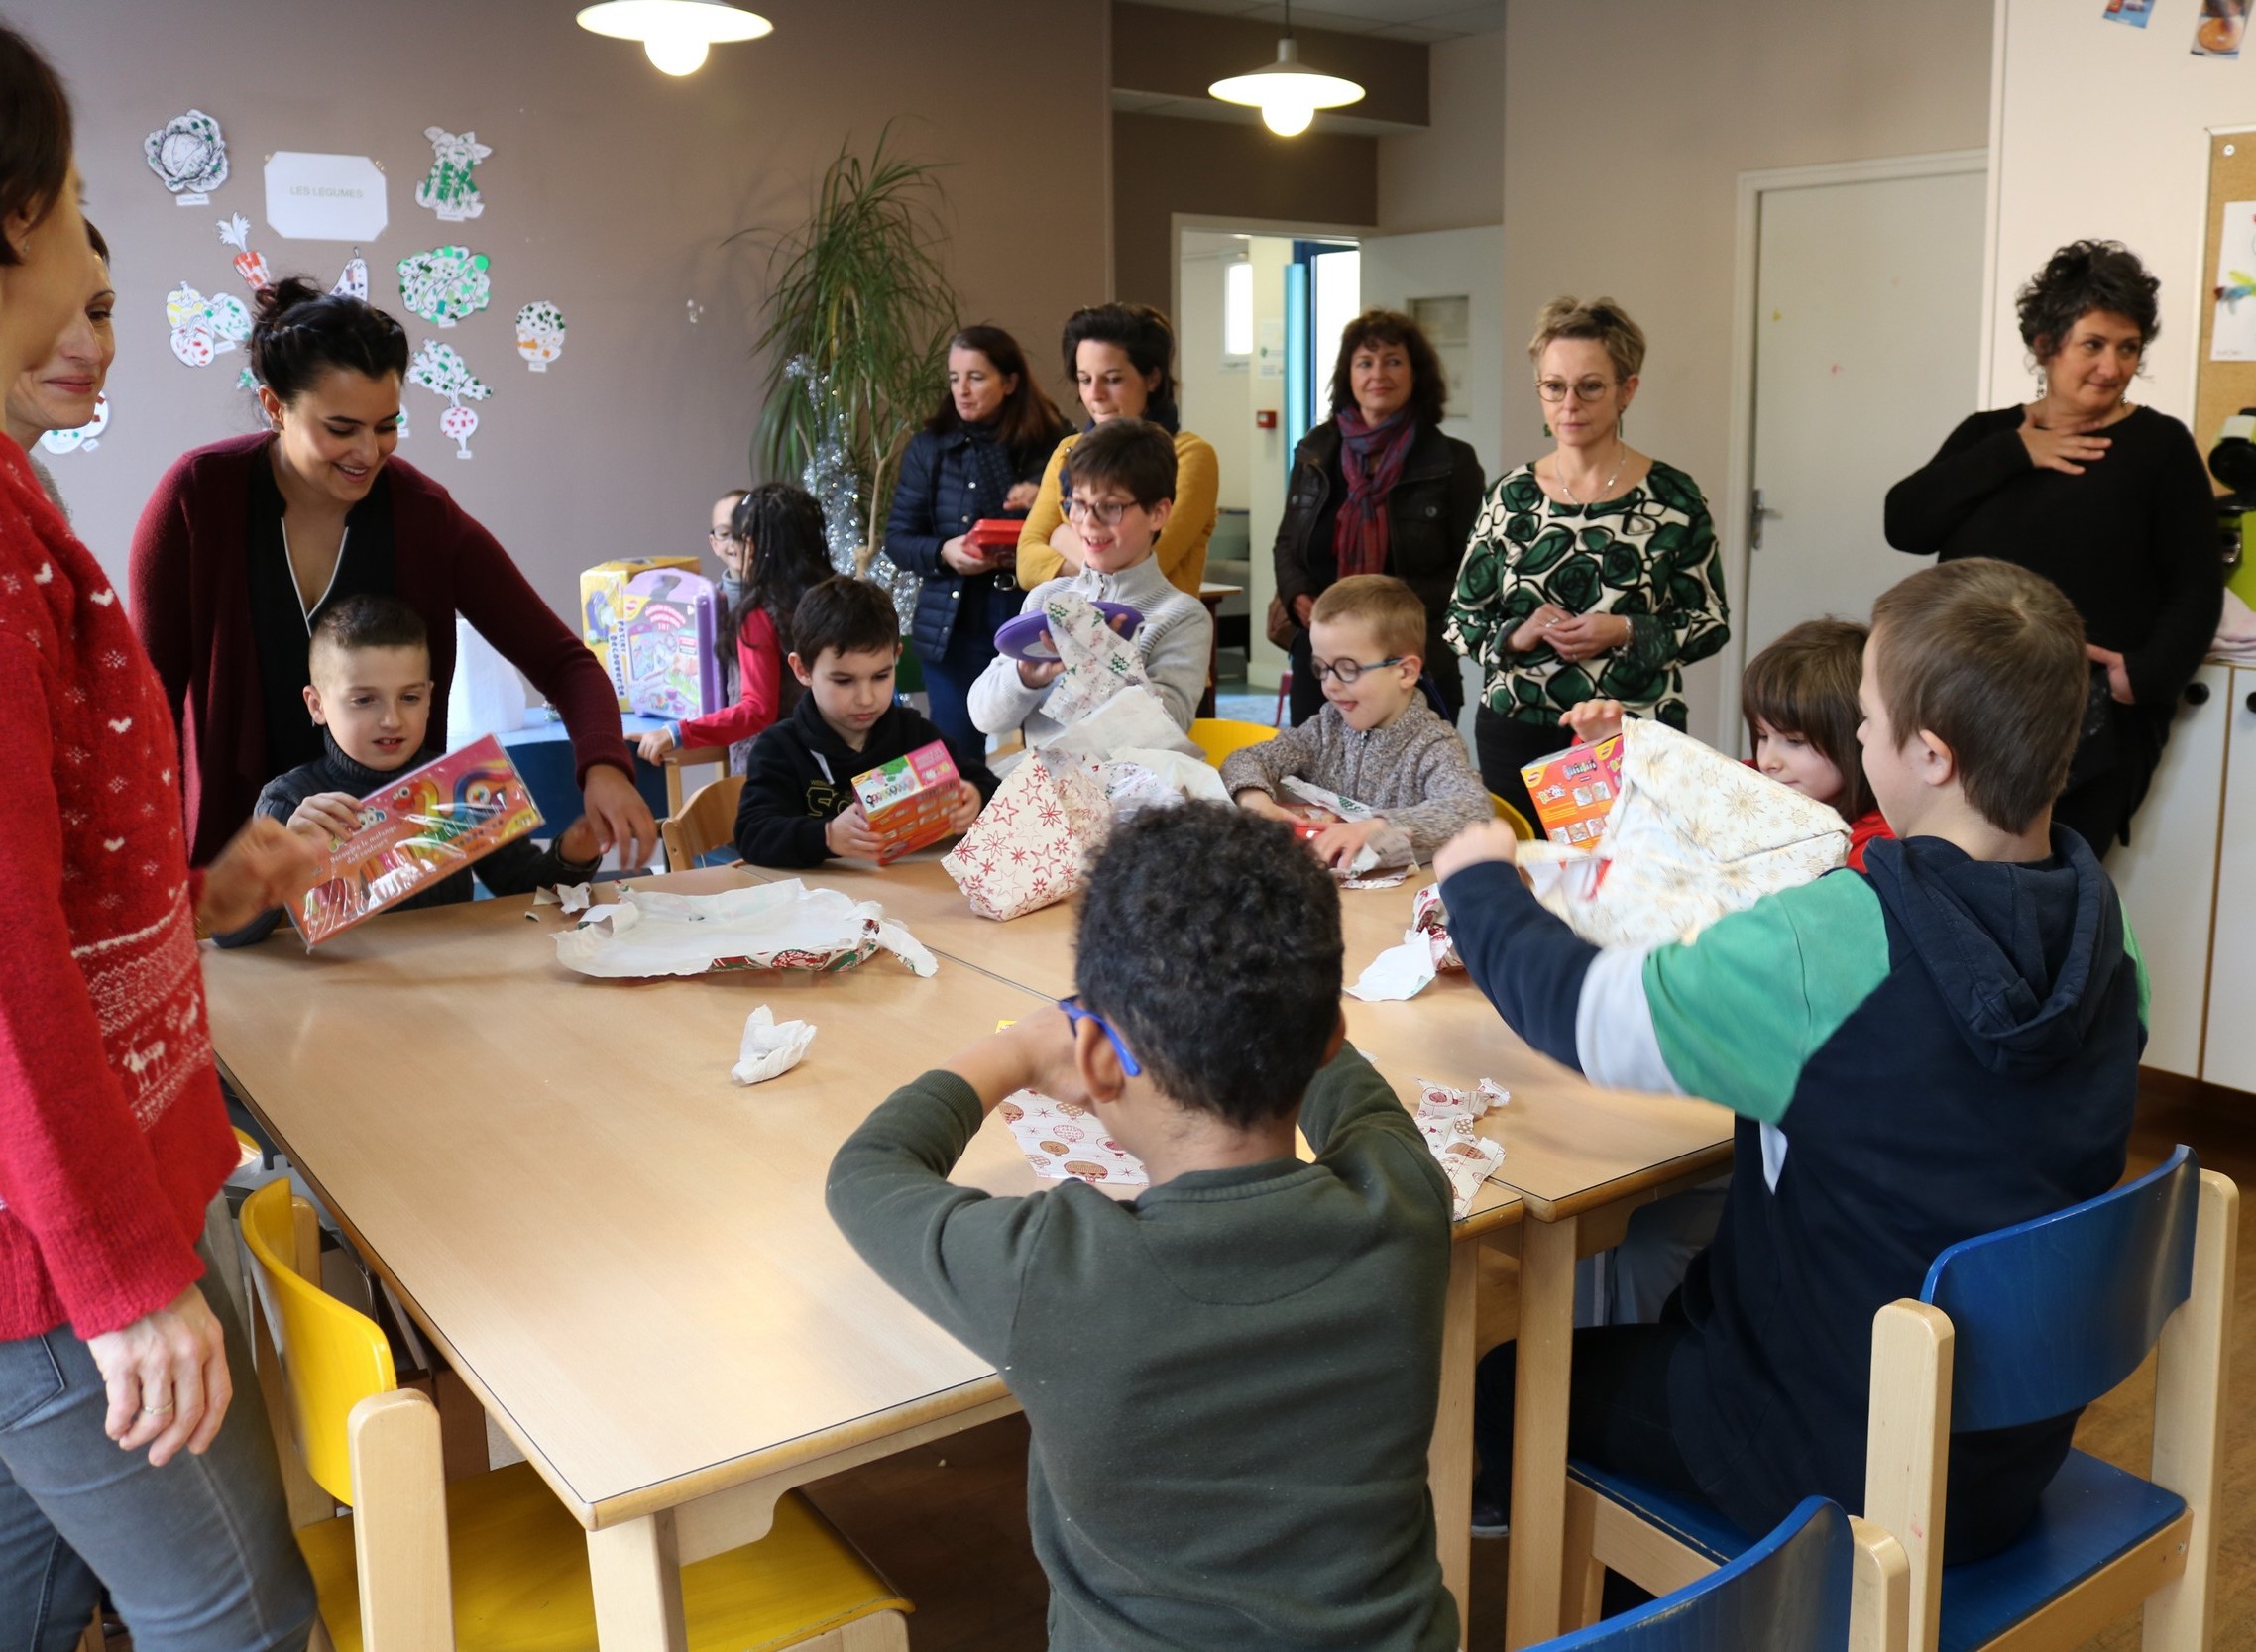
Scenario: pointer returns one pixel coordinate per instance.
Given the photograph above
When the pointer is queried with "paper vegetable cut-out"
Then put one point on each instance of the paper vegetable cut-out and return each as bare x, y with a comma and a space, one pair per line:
446, 284
353, 283
86, 436
448, 189
252, 266
540, 334
190, 153
441, 369
206, 328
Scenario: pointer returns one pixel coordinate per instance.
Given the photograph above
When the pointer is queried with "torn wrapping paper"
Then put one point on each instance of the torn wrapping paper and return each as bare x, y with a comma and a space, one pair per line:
771, 1047
1694, 836
1062, 1141
1129, 720
1467, 1158
1031, 845
1138, 778
1399, 972
1431, 920
1346, 809
770, 925
1098, 661
1390, 848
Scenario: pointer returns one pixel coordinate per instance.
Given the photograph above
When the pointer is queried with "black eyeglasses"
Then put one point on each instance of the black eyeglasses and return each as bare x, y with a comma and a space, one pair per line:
1347, 670
1076, 1012
1107, 511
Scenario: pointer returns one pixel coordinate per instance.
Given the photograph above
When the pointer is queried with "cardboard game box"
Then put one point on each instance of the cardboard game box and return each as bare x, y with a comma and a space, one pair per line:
426, 824
908, 801
603, 610
1574, 791
671, 623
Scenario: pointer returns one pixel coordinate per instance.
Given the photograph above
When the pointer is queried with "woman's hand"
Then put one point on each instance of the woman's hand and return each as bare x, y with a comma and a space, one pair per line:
1534, 630
2067, 451
167, 1376
328, 815
1587, 635
264, 866
1302, 606
655, 743
1039, 673
1594, 721
620, 818
958, 555
2119, 674
1068, 544
1022, 495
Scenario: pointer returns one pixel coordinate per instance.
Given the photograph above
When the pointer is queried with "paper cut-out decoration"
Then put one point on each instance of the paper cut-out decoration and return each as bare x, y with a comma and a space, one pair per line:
206, 328
246, 379
189, 154
325, 198
86, 436
446, 284
540, 334
2232, 335
252, 266
447, 188
403, 425
353, 283
441, 369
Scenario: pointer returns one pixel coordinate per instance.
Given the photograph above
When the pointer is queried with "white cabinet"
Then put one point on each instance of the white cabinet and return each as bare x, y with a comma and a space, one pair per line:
2228, 1053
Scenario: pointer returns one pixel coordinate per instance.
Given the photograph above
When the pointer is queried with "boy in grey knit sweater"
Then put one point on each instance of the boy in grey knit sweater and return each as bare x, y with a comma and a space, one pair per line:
1376, 741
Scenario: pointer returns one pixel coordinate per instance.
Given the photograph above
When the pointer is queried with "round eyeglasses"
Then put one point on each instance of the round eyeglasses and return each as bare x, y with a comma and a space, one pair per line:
1107, 511
1582, 389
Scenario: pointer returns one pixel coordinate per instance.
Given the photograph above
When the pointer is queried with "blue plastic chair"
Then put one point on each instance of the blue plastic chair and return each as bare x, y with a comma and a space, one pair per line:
2013, 1327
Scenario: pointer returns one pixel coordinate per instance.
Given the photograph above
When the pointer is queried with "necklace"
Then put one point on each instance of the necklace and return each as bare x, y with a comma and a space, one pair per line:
1606, 489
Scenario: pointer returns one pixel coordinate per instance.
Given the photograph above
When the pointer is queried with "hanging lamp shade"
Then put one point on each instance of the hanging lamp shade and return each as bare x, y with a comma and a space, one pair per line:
675, 34
1286, 93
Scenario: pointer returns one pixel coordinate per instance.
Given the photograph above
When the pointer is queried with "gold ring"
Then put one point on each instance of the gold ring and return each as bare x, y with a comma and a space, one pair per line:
156, 1410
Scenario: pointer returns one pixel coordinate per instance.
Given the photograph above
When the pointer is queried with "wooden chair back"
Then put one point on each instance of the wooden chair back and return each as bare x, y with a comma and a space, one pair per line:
706, 822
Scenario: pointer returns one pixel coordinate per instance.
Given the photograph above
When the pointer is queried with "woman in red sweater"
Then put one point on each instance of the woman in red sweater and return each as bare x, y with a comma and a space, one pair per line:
245, 541
113, 1140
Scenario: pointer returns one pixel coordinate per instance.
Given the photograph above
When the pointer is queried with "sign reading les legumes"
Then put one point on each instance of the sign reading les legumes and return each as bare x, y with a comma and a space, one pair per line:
325, 198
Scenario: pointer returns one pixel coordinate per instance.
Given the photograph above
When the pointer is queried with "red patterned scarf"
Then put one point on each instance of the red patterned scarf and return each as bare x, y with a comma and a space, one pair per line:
1371, 457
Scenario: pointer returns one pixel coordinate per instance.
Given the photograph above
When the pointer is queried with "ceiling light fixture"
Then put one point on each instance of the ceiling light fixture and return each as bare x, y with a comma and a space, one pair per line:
674, 33
1286, 94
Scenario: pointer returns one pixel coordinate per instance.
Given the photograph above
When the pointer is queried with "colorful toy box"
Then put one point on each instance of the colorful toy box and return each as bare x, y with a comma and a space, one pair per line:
426, 824
673, 661
908, 801
1574, 791
602, 609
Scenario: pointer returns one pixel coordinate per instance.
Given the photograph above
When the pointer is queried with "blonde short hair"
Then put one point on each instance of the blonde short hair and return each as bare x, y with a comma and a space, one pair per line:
1389, 607
1598, 318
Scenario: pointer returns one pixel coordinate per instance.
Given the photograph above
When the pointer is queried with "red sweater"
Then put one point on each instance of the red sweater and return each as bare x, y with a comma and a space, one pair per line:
112, 1135
759, 689
191, 606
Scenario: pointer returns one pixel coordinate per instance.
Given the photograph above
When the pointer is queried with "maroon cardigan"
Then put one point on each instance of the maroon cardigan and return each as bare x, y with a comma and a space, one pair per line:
192, 606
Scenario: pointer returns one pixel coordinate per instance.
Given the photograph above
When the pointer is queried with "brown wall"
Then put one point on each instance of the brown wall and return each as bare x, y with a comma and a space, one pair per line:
1162, 166
610, 191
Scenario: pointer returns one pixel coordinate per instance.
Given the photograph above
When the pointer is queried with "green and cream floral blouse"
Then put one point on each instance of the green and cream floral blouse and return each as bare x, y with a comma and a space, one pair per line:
1649, 556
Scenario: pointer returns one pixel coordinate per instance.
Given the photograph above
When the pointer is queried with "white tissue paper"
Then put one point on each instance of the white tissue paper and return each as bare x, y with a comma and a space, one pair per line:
1402, 971
1467, 1158
770, 925
771, 1047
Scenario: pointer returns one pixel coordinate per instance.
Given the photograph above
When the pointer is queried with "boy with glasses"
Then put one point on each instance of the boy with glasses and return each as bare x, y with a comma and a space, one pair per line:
1118, 488
1231, 1379
1376, 740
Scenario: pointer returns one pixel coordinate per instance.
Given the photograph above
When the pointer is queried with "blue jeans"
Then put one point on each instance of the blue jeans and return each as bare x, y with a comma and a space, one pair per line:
970, 646
197, 1555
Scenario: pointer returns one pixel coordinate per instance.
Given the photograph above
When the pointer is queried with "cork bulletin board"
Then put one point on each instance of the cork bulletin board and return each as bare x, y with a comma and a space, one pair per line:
2222, 388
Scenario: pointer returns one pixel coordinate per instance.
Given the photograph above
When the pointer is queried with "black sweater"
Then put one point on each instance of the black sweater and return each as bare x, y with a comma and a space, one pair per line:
800, 777
2132, 541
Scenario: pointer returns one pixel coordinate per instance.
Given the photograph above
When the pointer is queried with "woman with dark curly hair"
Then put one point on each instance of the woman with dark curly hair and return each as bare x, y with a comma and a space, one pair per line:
2107, 499
1377, 489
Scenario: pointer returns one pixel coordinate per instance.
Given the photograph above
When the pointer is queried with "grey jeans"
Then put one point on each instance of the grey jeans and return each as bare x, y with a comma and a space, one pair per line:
197, 1555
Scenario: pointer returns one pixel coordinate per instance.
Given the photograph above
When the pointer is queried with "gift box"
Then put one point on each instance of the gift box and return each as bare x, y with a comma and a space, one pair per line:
1030, 846
428, 824
994, 537
908, 801
602, 609
671, 621
1574, 791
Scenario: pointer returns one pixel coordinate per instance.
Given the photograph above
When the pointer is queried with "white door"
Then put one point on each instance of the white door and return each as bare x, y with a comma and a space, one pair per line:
1868, 352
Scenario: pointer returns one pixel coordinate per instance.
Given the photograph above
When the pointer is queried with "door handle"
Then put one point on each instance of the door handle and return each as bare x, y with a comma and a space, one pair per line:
1756, 511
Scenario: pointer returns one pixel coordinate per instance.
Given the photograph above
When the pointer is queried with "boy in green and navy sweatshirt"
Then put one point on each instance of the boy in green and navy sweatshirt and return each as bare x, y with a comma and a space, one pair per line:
1232, 1380
1940, 1047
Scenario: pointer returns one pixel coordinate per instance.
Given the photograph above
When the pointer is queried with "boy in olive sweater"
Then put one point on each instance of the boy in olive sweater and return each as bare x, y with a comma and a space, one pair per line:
1232, 1378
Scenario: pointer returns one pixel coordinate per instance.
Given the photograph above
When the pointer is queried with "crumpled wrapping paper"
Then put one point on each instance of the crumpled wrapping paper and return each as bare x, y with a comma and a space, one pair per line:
1694, 836
1098, 662
1467, 1158
1129, 720
1430, 919
770, 925
1389, 849
770, 1047
1062, 1141
1399, 972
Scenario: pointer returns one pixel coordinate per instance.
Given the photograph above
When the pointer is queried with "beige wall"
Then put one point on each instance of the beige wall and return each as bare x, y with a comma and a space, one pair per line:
1626, 127
1451, 175
610, 190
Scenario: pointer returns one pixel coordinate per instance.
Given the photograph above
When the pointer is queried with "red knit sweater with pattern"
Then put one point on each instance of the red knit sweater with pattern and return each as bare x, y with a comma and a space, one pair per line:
112, 1135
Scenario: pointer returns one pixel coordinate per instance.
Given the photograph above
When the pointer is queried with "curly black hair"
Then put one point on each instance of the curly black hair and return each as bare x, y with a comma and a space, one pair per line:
2083, 277
1209, 938
1430, 386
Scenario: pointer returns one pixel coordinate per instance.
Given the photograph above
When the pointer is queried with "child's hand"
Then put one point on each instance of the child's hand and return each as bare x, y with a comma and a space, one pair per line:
265, 865
850, 837
966, 808
1338, 845
579, 842
1254, 801
1489, 840
326, 816
655, 745
1034, 1053
1039, 673
1594, 721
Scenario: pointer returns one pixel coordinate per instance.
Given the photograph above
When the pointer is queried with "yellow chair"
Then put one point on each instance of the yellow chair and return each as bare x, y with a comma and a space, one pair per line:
1512, 818
493, 1560
708, 821
1217, 738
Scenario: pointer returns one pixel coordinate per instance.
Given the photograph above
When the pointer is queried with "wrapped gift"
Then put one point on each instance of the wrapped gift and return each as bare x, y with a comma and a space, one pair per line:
996, 538
671, 623
1030, 846
1574, 791
908, 801
602, 609
428, 824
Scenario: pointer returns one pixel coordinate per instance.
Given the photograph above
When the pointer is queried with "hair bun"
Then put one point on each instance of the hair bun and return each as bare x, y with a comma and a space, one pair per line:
274, 303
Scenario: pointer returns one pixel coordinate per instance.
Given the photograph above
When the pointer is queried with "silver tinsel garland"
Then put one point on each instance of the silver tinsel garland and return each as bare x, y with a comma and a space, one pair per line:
834, 480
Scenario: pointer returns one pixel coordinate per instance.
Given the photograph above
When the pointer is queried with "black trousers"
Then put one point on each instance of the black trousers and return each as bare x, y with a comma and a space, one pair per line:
1501, 744
1617, 1412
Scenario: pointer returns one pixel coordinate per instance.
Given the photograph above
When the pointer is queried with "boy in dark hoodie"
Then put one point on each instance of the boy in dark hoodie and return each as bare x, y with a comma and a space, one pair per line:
1943, 1046
798, 807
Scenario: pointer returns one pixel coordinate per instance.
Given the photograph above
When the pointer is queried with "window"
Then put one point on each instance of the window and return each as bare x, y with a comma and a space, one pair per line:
1238, 311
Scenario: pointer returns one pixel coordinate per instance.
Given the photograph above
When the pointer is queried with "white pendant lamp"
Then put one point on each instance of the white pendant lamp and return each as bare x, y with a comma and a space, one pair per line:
1286, 94
674, 33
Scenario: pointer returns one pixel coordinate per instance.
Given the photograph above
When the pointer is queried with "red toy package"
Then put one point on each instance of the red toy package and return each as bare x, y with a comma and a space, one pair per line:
909, 799
1574, 791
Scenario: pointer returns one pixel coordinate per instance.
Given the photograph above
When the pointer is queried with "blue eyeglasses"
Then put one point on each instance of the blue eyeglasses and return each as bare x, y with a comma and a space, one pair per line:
1075, 1012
